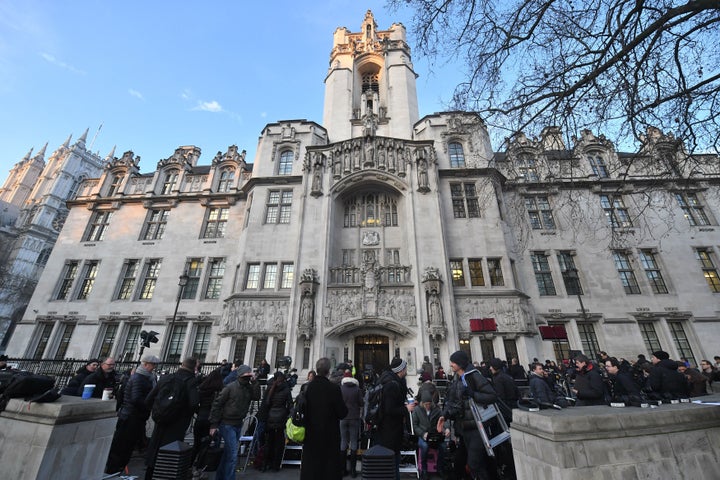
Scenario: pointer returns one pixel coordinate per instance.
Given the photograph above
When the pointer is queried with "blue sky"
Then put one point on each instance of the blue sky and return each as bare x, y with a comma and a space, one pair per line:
160, 74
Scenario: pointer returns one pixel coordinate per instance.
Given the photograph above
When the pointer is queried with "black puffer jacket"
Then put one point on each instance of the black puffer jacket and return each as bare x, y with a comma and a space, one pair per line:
352, 396
136, 390
278, 405
457, 406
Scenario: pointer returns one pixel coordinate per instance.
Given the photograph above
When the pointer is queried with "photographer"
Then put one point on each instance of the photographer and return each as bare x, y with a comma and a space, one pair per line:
467, 385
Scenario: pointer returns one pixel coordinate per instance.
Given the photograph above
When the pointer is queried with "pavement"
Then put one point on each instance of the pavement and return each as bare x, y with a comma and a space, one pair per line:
136, 471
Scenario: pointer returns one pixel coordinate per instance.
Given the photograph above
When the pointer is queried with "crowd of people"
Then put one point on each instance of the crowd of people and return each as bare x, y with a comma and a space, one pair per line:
439, 416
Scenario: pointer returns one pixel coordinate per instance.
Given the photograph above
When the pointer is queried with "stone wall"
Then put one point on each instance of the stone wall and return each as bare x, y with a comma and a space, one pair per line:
679, 441
68, 439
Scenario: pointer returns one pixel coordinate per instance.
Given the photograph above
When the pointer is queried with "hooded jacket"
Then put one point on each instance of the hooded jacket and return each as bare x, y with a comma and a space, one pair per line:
352, 396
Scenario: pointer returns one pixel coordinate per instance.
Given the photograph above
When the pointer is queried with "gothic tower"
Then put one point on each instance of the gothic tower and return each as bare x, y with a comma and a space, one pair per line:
370, 85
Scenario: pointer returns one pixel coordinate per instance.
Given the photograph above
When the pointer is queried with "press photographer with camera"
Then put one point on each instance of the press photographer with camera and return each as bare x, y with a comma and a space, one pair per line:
467, 385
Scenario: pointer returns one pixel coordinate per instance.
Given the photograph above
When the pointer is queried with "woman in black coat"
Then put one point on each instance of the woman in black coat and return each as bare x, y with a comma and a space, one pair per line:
324, 408
73, 386
278, 400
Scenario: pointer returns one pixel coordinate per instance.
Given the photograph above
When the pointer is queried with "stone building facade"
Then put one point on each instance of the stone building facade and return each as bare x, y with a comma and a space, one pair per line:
33, 206
381, 234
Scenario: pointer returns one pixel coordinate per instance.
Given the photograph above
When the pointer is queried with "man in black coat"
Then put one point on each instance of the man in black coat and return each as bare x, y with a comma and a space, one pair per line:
622, 387
103, 377
589, 388
324, 408
504, 384
174, 431
132, 415
394, 409
664, 381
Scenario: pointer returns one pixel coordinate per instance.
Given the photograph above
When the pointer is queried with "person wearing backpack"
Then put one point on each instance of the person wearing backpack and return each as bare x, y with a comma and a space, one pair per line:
324, 408
227, 415
132, 415
350, 425
391, 427
173, 402
467, 385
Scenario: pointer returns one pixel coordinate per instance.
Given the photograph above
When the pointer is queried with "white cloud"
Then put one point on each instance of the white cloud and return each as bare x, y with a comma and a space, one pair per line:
186, 94
58, 63
136, 94
212, 106
263, 114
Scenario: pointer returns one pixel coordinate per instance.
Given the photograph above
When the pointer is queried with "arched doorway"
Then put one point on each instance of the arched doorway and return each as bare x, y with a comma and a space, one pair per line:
372, 352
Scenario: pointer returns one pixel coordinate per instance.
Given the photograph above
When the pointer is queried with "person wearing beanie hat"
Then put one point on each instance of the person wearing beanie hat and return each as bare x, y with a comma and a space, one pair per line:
424, 418
394, 408
467, 385
73, 386
664, 381
659, 355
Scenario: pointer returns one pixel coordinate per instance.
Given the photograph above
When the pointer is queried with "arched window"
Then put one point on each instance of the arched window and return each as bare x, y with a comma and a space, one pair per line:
285, 165
457, 157
370, 210
43, 257
597, 164
226, 180
169, 183
115, 184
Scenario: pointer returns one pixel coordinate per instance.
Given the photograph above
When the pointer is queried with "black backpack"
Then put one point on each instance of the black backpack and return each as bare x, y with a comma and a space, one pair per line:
171, 400
297, 412
372, 408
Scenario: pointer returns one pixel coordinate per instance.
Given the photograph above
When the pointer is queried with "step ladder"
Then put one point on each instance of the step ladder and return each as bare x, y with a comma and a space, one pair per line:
491, 425
408, 458
292, 455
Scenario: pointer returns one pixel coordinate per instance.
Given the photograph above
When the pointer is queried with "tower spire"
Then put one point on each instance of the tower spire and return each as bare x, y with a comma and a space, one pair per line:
67, 142
83, 137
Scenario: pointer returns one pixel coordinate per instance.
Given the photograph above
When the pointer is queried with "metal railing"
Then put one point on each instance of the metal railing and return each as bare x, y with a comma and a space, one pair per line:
64, 370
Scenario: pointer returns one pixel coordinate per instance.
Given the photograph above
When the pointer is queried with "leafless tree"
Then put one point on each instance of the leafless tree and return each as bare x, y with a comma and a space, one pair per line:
613, 66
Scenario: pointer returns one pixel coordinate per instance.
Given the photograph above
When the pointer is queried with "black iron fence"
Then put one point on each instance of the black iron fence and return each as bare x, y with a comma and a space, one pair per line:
64, 370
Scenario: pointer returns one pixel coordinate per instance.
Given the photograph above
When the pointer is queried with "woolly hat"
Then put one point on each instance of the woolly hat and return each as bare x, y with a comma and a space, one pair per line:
660, 355
244, 371
496, 363
426, 396
398, 365
460, 358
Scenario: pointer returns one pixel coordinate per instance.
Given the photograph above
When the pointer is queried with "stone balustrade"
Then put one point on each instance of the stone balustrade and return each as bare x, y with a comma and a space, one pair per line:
679, 441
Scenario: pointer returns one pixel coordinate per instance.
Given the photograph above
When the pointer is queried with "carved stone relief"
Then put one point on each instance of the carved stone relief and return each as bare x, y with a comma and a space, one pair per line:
254, 316
510, 314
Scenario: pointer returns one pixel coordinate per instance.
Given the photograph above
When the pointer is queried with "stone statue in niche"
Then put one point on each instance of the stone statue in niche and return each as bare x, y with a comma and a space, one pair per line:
435, 316
422, 175
369, 152
307, 309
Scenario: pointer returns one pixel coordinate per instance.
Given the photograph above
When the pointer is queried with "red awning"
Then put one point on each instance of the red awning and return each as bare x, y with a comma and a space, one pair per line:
483, 325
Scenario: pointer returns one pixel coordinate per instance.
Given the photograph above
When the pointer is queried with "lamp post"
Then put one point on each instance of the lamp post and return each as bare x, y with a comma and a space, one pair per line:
182, 282
573, 274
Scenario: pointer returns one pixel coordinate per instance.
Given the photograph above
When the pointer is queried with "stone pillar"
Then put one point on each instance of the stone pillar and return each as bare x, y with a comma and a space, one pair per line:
66, 439
671, 441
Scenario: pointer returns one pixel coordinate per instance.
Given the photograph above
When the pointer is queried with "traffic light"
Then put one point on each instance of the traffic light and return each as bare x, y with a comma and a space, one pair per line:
146, 338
